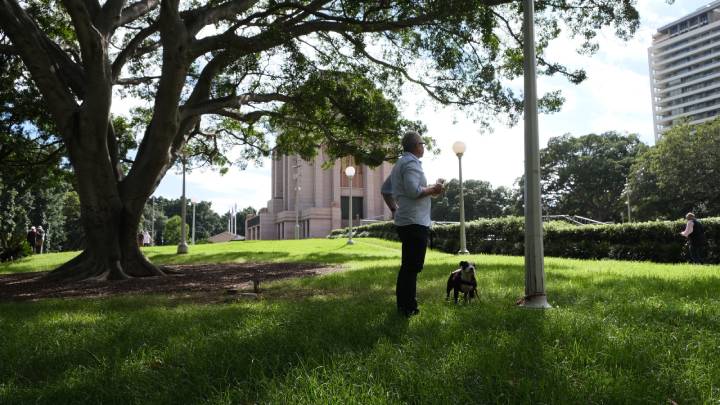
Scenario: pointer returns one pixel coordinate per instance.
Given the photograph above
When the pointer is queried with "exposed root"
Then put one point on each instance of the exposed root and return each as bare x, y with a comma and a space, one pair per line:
86, 267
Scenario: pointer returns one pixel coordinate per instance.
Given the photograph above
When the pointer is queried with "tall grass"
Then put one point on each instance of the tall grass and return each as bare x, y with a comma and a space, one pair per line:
620, 332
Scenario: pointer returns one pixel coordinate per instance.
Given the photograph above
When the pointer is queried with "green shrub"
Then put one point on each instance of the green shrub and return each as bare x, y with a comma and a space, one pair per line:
657, 241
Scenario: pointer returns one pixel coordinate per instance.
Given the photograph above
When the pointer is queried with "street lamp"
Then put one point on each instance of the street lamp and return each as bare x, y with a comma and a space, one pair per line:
182, 246
350, 172
459, 149
192, 201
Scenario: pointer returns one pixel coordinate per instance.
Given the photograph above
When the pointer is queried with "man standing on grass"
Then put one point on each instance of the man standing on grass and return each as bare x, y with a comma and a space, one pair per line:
695, 235
410, 204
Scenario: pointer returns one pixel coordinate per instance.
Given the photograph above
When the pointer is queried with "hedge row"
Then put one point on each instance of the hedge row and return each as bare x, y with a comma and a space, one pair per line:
657, 241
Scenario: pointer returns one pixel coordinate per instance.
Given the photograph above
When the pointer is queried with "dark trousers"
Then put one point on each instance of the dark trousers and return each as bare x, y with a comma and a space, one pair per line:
697, 252
414, 240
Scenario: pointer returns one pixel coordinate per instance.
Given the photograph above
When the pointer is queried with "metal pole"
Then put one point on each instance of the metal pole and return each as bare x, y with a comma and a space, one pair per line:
152, 224
350, 214
193, 224
628, 201
182, 246
534, 267
297, 197
463, 246
297, 212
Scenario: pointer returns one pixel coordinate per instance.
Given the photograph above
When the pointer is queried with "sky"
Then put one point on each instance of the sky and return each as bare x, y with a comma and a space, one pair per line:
615, 97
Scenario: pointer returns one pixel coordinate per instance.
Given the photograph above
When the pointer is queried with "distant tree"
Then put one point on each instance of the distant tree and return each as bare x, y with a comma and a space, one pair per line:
586, 175
33, 178
481, 201
48, 211
207, 221
172, 230
679, 174
73, 233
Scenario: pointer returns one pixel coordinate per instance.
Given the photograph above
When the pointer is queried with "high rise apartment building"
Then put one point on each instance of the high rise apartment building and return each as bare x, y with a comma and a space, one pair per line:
685, 69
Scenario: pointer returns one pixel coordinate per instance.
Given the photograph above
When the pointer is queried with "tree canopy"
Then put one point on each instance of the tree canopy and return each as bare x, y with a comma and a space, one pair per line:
481, 200
298, 75
587, 175
679, 174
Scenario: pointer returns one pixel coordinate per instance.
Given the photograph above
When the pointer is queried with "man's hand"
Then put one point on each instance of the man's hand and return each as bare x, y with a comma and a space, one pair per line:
437, 189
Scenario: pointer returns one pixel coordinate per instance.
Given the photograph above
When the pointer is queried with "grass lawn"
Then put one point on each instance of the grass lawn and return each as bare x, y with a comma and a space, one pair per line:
620, 332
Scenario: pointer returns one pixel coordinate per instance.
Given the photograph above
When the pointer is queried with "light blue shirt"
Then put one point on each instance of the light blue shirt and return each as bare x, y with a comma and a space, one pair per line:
405, 183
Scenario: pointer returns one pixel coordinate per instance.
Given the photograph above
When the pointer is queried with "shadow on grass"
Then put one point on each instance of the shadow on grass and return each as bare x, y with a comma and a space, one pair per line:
343, 257
225, 257
260, 351
343, 343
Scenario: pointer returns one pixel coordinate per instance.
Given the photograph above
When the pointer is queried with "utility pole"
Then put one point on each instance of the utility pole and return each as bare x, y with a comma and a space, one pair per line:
534, 267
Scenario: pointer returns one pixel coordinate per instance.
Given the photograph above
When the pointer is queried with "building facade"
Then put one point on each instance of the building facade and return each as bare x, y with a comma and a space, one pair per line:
308, 200
685, 69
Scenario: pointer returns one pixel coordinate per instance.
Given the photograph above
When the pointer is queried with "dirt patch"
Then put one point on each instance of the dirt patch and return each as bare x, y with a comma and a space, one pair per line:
181, 279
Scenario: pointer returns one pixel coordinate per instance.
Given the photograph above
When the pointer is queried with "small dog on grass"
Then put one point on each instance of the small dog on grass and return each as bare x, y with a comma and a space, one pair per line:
463, 280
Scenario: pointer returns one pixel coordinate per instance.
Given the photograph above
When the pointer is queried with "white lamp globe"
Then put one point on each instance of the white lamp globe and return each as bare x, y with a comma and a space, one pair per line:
459, 147
349, 171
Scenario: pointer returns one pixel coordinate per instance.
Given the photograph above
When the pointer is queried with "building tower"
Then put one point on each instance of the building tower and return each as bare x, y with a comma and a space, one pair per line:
685, 69
309, 199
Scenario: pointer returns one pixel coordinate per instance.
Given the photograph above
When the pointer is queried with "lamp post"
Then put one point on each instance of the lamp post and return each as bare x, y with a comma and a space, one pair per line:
459, 149
534, 267
350, 172
152, 223
627, 192
298, 188
182, 246
192, 201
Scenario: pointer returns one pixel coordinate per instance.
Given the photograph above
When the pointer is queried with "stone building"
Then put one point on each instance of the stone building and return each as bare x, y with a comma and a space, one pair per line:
311, 200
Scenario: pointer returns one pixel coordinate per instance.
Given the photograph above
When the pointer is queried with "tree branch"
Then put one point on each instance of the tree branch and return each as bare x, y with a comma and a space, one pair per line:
275, 36
223, 103
41, 56
197, 19
360, 47
131, 48
125, 81
8, 49
89, 38
135, 11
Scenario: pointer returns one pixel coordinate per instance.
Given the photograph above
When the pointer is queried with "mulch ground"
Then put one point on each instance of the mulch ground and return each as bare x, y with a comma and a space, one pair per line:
181, 279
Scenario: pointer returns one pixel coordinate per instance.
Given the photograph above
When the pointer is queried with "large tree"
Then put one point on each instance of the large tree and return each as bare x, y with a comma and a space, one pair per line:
586, 175
679, 174
226, 72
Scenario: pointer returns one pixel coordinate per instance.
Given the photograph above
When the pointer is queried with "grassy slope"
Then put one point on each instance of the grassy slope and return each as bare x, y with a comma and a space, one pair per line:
620, 333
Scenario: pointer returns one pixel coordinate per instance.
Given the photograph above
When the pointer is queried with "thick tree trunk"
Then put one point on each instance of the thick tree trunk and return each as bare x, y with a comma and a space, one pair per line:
110, 222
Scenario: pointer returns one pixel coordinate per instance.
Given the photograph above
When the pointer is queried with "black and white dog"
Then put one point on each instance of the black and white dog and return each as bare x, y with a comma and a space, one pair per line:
463, 280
